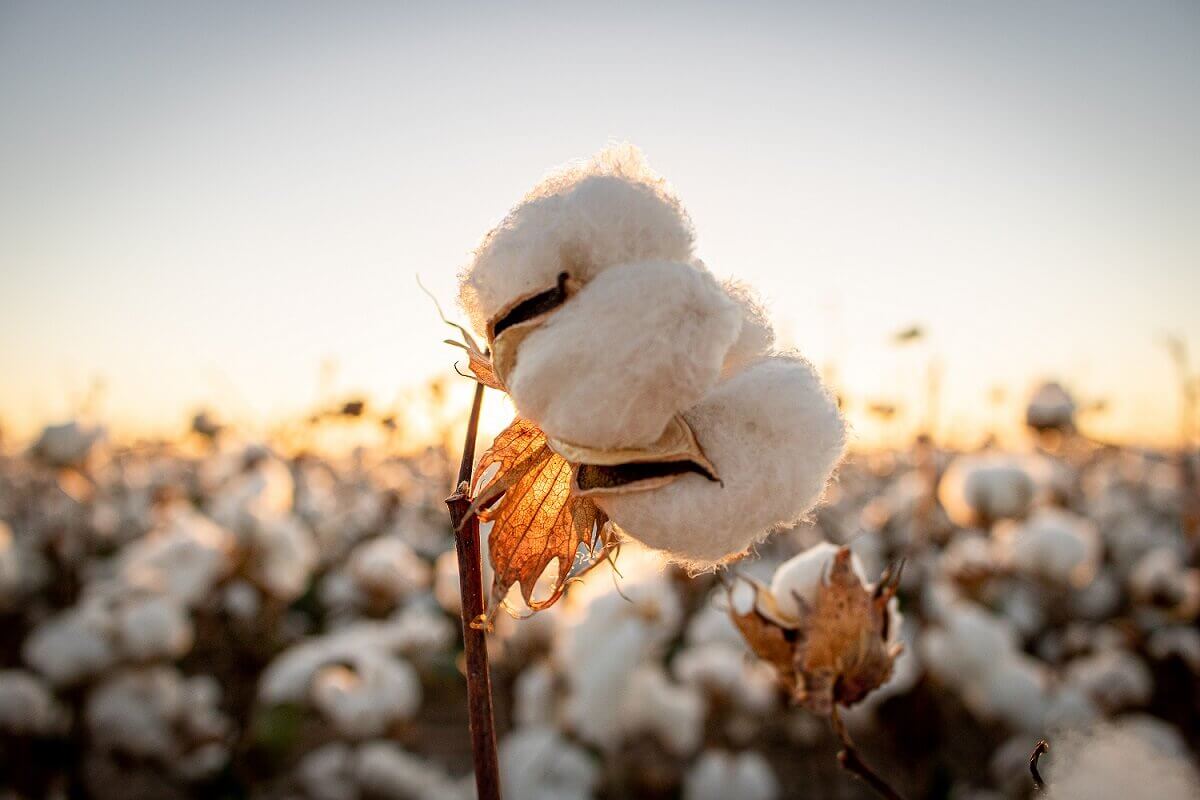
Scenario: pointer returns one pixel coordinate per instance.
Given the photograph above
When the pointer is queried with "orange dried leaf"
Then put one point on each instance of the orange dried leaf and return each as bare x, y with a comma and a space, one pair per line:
537, 520
479, 364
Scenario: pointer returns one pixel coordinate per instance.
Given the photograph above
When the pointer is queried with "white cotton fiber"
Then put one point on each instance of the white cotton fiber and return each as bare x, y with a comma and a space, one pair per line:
757, 336
582, 220
981, 488
1050, 408
633, 348
719, 775
1054, 545
1116, 762
539, 763
673, 714
365, 697
774, 436
28, 707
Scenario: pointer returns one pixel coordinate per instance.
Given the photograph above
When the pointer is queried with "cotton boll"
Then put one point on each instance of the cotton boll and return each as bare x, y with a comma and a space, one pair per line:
1054, 545
1114, 762
537, 763
582, 220
969, 644
774, 435
28, 707
673, 714
185, 558
1051, 408
978, 489
66, 445
535, 696
1179, 641
265, 490
756, 339
1070, 707
1160, 579
445, 584
327, 773
1098, 600
365, 697
636, 346
285, 556
1115, 679
798, 579
153, 627
72, 646
724, 670
23, 571
719, 775
712, 625
1014, 690
134, 712
242, 600
384, 769
386, 567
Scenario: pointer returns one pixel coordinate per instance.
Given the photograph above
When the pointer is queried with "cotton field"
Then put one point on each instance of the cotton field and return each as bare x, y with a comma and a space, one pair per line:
220, 617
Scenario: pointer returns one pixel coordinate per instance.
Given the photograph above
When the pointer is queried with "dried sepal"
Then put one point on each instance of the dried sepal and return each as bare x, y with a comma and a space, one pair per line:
479, 364
840, 647
536, 518
675, 453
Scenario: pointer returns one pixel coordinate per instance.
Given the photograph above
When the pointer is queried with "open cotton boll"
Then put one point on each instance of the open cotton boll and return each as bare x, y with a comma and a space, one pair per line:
186, 557
28, 707
66, 445
637, 345
1015, 690
384, 769
366, 695
719, 775
23, 571
538, 763
1054, 545
724, 670
1116, 762
1050, 408
801, 576
978, 489
673, 714
1114, 679
73, 645
582, 220
153, 627
388, 568
756, 339
284, 556
970, 643
774, 435
327, 773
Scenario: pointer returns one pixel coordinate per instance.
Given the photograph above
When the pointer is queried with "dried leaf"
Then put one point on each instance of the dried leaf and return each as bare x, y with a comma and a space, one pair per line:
537, 520
479, 364
838, 652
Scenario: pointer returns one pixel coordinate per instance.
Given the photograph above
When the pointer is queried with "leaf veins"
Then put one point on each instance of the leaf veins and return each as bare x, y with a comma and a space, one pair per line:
537, 520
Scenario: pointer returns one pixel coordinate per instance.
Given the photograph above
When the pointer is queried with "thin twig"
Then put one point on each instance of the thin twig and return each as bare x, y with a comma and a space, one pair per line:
470, 579
1041, 747
852, 762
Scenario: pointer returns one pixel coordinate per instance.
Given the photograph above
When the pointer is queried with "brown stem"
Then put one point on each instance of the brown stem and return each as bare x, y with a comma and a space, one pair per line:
853, 763
1041, 747
470, 581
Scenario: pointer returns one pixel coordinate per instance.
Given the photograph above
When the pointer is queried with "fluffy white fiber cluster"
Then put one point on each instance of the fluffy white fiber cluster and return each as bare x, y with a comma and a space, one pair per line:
646, 334
1051, 408
1117, 761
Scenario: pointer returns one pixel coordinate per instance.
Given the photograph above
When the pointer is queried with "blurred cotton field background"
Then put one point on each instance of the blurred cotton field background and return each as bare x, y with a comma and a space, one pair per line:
228, 423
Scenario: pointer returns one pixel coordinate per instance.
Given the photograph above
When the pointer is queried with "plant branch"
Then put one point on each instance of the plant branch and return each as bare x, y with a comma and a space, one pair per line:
1041, 747
853, 763
470, 581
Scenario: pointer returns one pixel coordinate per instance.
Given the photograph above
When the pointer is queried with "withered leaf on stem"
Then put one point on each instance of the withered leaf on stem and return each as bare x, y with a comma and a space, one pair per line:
838, 650
537, 520
479, 364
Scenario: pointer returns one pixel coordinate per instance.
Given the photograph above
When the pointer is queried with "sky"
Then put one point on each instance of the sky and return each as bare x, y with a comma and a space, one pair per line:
218, 204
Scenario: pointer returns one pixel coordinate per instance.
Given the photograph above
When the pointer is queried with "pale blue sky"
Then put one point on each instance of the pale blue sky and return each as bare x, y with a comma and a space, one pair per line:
201, 203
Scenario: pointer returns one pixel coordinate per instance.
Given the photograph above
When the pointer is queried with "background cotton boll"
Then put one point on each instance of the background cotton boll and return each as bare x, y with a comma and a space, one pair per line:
725, 671
23, 571
388, 568
774, 435
756, 338
66, 445
640, 343
1053, 544
979, 489
366, 695
284, 556
719, 775
1050, 408
1114, 679
802, 574
582, 220
186, 557
28, 707
384, 769
72, 646
1114, 762
327, 773
673, 714
1014, 690
535, 695
538, 763
154, 627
